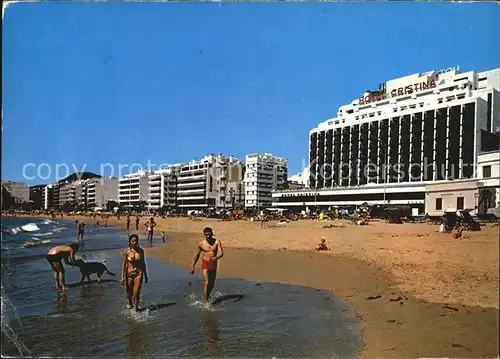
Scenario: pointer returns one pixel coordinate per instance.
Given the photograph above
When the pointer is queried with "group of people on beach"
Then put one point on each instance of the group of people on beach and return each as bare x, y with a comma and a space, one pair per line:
133, 266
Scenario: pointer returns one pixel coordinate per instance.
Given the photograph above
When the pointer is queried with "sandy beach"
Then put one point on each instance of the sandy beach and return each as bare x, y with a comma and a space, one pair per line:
417, 292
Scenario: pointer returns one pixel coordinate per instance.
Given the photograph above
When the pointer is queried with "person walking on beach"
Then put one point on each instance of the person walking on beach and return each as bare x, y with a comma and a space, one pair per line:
128, 222
55, 257
163, 236
81, 231
133, 271
137, 220
212, 252
150, 225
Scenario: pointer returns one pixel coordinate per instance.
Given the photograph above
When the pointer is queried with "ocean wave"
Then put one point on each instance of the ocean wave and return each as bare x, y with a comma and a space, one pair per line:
46, 221
43, 234
30, 227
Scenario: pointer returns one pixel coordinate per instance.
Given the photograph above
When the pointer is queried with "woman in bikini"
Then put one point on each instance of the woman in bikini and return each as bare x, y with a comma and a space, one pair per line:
133, 271
55, 257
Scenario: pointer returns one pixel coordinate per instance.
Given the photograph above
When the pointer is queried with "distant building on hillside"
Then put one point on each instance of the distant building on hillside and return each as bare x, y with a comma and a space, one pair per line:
18, 190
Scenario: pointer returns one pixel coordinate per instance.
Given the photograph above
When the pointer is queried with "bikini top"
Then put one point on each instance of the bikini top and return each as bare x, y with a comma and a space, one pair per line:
133, 257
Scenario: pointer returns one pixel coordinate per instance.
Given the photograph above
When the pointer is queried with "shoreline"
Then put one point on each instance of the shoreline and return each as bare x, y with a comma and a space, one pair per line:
410, 326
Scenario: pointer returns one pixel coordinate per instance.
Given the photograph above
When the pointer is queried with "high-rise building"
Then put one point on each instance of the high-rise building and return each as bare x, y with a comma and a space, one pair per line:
99, 191
387, 145
263, 174
162, 190
37, 194
211, 182
133, 189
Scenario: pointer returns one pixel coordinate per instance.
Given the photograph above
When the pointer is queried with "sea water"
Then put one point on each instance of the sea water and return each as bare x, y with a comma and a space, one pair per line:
244, 318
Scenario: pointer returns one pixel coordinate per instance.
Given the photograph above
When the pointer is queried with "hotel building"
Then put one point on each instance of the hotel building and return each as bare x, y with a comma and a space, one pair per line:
99, 191
162, 191
71, 192
37, 194
133, 189
386, 146
209, 182
51, 196
263, 174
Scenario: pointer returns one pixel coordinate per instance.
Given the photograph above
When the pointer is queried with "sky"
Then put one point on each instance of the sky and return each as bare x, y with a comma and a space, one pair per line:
89, 84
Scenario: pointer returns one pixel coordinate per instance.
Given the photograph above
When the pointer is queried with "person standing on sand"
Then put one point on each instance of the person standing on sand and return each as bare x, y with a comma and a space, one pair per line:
128, 222
55, 257
133, 271
137, 220
212, 252
150, 225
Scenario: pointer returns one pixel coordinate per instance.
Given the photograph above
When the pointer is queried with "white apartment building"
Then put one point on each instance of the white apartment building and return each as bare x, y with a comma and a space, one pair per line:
162, 191
99, 191
133, 189
263, 174
386, 146
204, 183
70, 192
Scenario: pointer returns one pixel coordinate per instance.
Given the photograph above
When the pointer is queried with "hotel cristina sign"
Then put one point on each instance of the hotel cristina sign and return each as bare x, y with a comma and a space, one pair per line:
408, 89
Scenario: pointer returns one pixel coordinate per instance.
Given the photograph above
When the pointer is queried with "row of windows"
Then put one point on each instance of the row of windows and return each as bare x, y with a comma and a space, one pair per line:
439, 203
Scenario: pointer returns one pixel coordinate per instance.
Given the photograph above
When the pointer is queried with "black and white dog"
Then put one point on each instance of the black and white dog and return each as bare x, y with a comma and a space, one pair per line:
88, 268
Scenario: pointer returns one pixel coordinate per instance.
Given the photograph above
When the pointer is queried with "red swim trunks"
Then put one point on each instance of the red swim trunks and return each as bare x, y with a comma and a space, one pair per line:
209, 265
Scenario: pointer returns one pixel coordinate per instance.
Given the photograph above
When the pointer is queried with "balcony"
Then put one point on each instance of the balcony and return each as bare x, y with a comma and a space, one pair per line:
132, 195
191, 184
189, 191
123, 189
191, 178
188, 198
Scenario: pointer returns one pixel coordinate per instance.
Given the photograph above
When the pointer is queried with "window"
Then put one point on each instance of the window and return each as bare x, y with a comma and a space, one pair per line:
486, 171
439, 204
460, 203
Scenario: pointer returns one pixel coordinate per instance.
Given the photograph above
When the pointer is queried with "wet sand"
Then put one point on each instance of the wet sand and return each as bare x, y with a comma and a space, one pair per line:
418, 293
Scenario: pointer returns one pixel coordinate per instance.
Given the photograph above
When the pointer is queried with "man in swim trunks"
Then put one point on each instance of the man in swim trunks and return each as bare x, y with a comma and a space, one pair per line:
212, 252
55, 257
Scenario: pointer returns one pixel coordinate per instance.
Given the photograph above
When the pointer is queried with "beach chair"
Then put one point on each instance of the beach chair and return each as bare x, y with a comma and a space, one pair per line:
468, 222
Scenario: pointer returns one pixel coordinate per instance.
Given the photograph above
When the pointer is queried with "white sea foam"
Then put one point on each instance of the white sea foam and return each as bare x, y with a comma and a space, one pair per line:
43, 234
7, 329
30, 227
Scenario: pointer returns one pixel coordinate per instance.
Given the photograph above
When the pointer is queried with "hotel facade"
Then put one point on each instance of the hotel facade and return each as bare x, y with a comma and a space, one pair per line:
162, 189
388, 145
133, 189
99, 191
263, 174
212, 182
